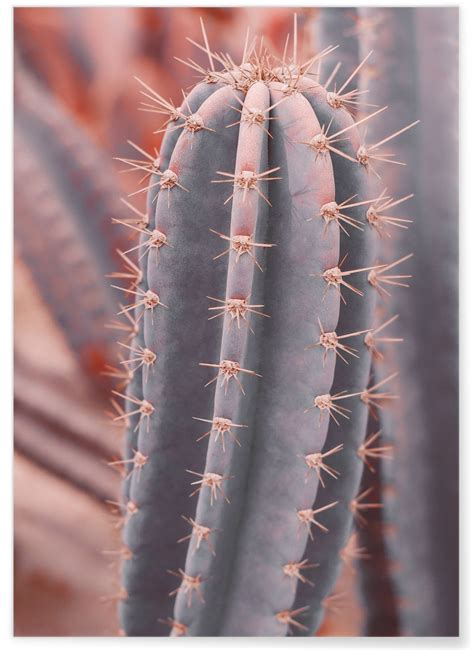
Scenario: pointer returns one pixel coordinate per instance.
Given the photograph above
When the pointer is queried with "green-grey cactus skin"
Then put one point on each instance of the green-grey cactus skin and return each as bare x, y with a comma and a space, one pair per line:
141, 370
154, 530
290, 380
417, 47
357, 315
260, 385
41, 209
82, 174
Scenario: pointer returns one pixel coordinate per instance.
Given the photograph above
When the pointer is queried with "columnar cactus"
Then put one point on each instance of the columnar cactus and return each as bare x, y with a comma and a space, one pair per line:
415, 47
251, 390
64, 187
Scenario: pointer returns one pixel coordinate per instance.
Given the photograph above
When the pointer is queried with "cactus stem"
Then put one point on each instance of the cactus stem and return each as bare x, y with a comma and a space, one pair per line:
293, 571
307, 517
229, 370
352, 552
371, 341
286, 617
241, 244
326, 182
199, 533
211, 480
357, 506
376, 276
189, 585
316, 461
366, 452
177, 628
247, 180
221, 426
237, 308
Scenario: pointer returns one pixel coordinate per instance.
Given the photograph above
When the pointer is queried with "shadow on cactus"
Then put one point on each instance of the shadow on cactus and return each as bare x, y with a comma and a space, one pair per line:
255, 312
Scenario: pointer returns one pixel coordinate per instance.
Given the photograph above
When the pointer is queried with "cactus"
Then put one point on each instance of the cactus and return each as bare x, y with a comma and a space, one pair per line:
414, 48
67, 191
251, 390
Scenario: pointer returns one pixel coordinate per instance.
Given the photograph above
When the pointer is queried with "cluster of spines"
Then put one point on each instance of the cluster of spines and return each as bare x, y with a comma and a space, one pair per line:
235, 309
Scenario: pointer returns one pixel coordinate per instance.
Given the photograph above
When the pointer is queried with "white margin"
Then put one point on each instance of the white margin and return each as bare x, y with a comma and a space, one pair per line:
466, 351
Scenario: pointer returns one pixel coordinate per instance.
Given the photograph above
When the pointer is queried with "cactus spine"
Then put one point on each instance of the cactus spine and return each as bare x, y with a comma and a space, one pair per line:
258, 288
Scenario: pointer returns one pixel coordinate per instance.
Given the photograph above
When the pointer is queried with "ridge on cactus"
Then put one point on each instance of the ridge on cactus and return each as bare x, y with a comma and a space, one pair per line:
253, 308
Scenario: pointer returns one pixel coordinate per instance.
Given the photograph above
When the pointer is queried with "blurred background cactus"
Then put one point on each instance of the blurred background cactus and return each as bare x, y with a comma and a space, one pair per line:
75, 106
